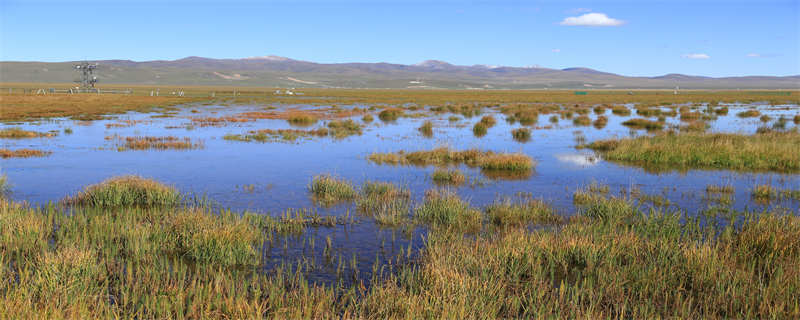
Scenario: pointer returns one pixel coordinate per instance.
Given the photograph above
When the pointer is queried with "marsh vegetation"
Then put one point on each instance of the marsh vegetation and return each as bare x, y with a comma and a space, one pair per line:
357, 218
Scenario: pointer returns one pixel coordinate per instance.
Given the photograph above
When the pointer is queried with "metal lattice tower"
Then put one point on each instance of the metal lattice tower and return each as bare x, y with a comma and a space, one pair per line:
87, 79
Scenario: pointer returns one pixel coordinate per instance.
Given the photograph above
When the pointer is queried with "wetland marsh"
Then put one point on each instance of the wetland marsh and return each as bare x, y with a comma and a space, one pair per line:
404, 203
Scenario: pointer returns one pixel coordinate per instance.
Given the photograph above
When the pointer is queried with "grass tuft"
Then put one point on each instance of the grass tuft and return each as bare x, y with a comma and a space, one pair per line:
126, 191
328, 189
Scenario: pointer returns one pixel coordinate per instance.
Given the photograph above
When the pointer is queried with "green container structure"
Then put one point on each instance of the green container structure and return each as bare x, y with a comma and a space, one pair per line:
580, 93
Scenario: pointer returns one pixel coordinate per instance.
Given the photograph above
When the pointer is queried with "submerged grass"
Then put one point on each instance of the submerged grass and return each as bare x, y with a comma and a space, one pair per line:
774, 151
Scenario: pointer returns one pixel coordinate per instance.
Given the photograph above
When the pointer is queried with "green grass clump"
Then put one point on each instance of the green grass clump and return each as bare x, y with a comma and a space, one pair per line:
600, 122
426, 129
775, 151
445, 209
521, 134
620, 110
796, 119
479, 129
367, 118
453, 118
488, 121
506, 212
387, 158
582, 120
598, 110
390, 114
343, 128
19, 133
328, 189
301, 119
509, 162
445, 176
527, 117
553, 119
640, 123
749, 113
126, 191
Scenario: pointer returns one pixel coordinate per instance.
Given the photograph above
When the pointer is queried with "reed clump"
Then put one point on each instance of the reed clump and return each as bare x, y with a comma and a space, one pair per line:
126, 191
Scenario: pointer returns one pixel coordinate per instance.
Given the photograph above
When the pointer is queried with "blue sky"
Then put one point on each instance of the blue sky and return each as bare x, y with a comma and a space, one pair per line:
641, 38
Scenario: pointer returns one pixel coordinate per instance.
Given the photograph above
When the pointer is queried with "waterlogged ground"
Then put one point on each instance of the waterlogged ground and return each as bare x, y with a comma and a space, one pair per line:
272, 177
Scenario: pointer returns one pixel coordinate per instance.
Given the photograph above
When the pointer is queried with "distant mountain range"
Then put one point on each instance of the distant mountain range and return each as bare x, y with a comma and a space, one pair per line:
274, 71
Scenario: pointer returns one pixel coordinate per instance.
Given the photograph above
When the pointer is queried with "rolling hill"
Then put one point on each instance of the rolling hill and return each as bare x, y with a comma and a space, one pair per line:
274, 71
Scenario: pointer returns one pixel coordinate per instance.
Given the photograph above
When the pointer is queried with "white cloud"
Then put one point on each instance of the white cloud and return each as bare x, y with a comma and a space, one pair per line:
556, 50
754, 55
696, 56
592, 20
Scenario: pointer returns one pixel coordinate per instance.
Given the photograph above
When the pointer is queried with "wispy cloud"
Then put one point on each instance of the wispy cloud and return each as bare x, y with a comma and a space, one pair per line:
762, 55
592, 20
556, 50
696, 56
578, 10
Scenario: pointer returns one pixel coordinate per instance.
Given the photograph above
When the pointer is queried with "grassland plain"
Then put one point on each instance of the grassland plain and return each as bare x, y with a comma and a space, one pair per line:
92, 106
154, 258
